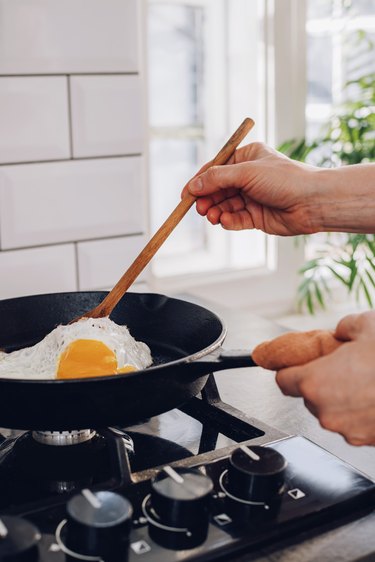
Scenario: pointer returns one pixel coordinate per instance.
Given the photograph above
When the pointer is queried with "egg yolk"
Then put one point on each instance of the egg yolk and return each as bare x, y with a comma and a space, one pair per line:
88, 358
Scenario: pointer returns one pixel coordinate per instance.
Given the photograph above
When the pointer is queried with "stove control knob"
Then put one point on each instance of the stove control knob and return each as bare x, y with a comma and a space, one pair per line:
255, 474
178, 510
18, 540
99, 525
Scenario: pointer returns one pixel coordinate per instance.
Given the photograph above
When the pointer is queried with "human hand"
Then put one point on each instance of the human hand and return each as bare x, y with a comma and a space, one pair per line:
339, 389
259, 188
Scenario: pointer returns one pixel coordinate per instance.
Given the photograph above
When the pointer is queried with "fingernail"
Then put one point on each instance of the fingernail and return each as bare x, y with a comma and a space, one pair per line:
196, 185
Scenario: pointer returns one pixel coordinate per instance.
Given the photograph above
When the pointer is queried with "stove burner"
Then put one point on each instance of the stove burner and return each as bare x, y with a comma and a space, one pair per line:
32, 471
63, 438
37, 480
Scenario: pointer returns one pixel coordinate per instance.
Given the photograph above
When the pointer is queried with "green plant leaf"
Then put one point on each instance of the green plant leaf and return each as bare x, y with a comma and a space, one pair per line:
371, 263
319, 295
338, 276
312, 264
347, 138
309, 302
366, 292
353, 274
370, 278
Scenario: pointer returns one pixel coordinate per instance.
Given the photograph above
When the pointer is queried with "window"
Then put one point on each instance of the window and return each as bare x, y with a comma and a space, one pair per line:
340, 48
210, 64
335, 54
190, 66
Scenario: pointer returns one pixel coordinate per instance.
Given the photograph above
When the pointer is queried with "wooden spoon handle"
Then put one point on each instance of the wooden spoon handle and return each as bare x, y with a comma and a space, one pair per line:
108, 304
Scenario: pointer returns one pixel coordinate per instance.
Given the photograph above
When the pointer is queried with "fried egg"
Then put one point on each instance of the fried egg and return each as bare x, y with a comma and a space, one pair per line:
87, 348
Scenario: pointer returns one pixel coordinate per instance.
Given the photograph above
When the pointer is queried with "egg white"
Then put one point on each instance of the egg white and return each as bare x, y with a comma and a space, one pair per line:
41, 360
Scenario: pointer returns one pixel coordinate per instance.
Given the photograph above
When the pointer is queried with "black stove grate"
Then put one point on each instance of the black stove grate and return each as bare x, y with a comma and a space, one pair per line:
37, 480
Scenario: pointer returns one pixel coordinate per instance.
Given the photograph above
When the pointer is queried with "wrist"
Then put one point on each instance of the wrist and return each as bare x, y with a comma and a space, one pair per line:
342, 199
316, 194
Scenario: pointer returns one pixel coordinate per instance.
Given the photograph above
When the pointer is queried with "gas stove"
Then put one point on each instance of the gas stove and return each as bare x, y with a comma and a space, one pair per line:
203, 482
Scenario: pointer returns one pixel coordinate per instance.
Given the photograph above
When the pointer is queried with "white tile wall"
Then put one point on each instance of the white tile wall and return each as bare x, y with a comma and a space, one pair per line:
69, 36
37, 270
70, 78
106, 115
34, 122
73, 200
101, 263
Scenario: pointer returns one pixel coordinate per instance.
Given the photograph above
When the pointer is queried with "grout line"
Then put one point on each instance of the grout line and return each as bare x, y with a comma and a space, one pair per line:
47, 74
77, 265
50, 244
76, 158
70, 117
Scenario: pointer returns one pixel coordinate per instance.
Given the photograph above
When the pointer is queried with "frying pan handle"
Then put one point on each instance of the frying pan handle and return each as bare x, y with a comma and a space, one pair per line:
222, 359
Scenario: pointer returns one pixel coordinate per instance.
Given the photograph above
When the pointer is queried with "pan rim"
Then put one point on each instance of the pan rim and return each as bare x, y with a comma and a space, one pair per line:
121, 376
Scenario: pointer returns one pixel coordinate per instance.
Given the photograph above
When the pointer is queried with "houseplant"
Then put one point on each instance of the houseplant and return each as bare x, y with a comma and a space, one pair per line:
348, 138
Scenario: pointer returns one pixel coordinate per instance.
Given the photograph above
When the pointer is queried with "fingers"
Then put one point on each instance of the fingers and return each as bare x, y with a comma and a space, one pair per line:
304, 380
227, 200
252, 151
355, 425
220, 177
237, 221
205, 167
338, 389
347, 328
355, 326
228, 208
289, 380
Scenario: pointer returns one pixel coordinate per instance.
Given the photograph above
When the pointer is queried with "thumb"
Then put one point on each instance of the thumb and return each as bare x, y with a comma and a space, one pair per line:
348, 327
356, 326
220, 177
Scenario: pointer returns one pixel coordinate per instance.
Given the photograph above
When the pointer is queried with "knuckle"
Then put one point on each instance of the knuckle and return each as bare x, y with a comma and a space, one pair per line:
361, 322
355, 439
212, 174
281, 380
358, 323
309, 390
364, 322
329, 421
352, 323
367, 322
257, 148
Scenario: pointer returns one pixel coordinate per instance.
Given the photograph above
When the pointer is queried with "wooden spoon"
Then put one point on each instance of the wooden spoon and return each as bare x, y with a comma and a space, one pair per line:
110, 301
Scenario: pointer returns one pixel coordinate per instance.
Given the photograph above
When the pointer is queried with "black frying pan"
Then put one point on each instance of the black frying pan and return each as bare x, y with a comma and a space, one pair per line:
185, 341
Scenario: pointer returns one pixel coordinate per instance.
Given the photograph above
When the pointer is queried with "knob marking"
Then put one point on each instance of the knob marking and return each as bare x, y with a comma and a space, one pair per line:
67, 550
3, 530
153, 521
91, 498
232, 497
250, 453
173, 474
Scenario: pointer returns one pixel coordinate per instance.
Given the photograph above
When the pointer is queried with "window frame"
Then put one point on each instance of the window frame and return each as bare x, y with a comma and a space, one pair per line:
272, 288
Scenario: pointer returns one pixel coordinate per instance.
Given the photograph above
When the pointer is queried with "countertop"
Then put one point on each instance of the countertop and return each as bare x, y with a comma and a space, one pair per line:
254, 391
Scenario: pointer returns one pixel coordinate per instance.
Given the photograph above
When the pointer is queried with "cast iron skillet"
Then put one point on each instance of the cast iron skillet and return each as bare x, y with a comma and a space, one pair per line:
185, 341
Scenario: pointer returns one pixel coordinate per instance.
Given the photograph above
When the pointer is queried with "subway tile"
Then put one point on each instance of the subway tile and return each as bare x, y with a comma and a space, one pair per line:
34, 119
73, 200
106, 115
37, 270
101, 263
70, 36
